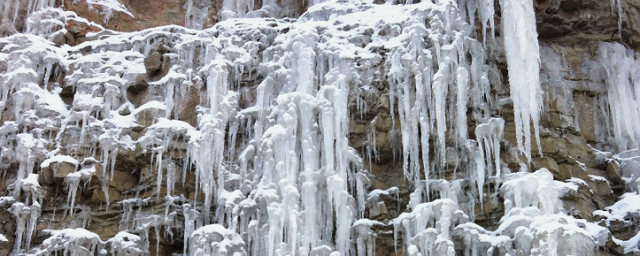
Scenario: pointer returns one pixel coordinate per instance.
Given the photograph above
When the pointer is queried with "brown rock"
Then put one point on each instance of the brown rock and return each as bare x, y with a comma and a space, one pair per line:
613, 172
61, 170
146, 14
46, 176
545, 162
153, 62
80, 29
98, 196
599, 186
149, 116
566, 171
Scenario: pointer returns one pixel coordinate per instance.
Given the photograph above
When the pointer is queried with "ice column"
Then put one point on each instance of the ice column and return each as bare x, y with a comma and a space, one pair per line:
523, 59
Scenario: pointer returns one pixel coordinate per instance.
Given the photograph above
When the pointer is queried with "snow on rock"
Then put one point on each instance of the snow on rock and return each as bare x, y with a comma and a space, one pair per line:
125, 243
71, 242
59, 159
107, 8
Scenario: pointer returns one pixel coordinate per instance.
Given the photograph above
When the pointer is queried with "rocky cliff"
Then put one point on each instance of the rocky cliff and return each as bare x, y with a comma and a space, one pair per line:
301, 127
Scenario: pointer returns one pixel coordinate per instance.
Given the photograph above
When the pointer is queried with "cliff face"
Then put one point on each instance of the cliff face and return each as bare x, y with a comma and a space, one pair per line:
160, 131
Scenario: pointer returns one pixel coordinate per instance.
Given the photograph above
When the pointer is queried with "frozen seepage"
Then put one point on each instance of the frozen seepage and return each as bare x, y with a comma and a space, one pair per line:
630, 169
528, 232
297, 153
523, 64
620, 70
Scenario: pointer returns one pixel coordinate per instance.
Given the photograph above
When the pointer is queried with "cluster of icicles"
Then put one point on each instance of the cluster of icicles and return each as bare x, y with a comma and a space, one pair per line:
278, 175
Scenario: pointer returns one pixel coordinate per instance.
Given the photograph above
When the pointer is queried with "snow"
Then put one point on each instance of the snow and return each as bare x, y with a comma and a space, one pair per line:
71, 241
631, 245
125, 243
59, 159
628, 205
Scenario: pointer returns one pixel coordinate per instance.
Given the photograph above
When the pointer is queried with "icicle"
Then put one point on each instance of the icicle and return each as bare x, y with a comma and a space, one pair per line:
33, 222
21, 212
620, 13
621, 69
440, 91
489, 135
523, 59
462, 79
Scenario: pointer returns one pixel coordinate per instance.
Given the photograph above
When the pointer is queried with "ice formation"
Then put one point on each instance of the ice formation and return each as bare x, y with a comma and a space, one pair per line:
619, 69
523, 58
274, 170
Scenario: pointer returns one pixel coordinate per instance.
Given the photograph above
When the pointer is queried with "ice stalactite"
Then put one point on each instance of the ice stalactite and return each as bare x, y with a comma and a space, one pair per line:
365, 238
617, 8
488, 135
21, 213
485, 11
523, 59
72, 180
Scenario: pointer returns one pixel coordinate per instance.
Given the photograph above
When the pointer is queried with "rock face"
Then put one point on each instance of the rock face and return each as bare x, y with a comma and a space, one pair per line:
313, 138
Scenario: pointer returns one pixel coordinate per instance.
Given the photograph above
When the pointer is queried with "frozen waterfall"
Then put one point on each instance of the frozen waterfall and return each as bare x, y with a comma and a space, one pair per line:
240, 135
